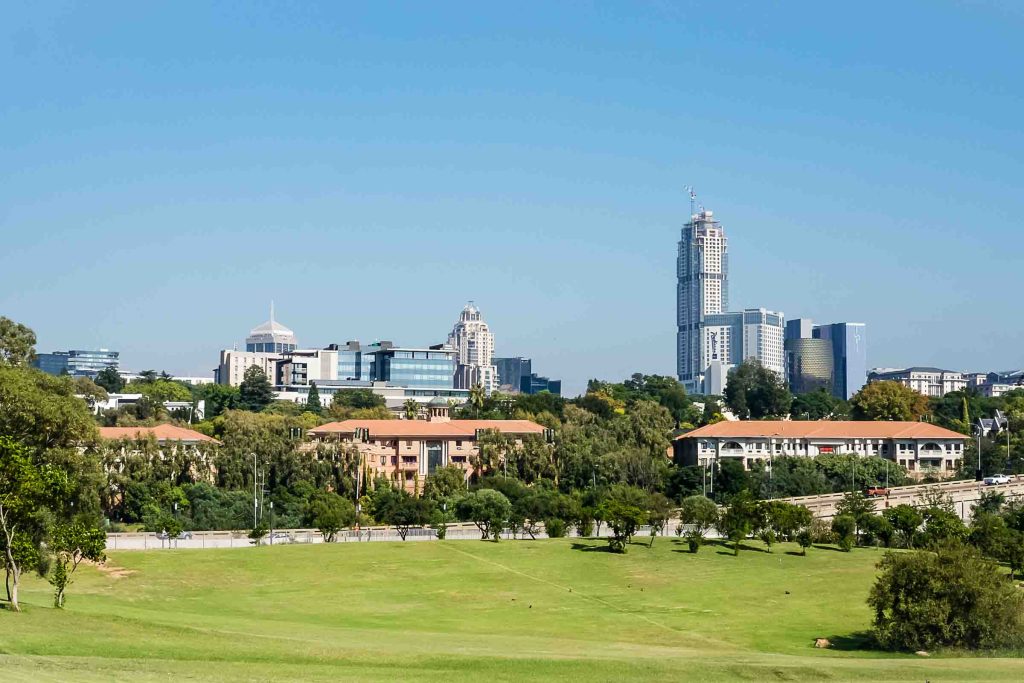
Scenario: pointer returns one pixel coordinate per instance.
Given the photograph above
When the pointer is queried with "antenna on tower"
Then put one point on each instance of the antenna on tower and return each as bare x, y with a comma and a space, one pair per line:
693, 197
271, 310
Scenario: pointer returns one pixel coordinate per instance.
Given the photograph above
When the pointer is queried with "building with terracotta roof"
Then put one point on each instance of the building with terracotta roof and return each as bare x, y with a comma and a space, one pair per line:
918, 446
164, 433
408, 451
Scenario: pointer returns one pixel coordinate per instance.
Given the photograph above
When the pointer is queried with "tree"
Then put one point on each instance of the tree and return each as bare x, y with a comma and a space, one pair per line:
488, 509
219, 399
110, 379
819, 404
754, 392
411, 408
329, 513
625, 509
402, 510
445, 485
70, 543
26, 490
888, 401
739, 519
701, 515
477, 396
906, 521
313, 400
255, 392
941, 525
949, 597
659, 510
17, 343
856, 506
845, 529
804, 539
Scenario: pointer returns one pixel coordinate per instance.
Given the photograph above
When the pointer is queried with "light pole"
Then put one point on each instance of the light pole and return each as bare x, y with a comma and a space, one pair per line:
271, 522
978, 474
255, 521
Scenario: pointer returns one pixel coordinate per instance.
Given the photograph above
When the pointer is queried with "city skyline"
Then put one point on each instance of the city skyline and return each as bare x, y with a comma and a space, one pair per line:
372, 170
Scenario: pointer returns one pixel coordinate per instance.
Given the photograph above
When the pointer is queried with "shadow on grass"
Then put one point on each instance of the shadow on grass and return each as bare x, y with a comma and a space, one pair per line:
794, 553
743, 546
828, 547
590, 548
861, 641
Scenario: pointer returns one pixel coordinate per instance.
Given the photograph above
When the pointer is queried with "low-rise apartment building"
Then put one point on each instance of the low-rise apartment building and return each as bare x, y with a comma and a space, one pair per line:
408, 451
920, 447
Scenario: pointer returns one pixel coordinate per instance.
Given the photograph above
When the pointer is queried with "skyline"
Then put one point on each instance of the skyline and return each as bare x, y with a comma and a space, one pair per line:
371, 171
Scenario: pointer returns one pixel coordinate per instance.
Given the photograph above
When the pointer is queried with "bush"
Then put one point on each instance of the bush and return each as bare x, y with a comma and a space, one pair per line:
821, 531
844, 527
555, 527
805, 539
949, 597
585, 527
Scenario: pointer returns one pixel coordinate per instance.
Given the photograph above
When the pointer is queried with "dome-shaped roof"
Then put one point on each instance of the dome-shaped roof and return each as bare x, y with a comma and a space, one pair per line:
438, 402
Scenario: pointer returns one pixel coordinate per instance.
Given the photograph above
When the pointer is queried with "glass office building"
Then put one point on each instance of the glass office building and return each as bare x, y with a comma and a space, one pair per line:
849, 356
77, 362
512, 370
809, 365
431, 368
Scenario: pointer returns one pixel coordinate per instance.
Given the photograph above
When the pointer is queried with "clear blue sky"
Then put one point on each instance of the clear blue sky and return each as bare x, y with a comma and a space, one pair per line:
167, 170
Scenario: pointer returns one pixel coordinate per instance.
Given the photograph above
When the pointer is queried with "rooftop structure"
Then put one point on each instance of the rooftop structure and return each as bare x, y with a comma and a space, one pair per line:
270, 337
163, 433
474, 351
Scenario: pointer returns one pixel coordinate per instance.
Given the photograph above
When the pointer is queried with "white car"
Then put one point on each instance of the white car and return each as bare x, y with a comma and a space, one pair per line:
997, 479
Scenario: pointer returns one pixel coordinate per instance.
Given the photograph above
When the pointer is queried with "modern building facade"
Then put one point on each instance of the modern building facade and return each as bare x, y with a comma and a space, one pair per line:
849, 356
407, 452
77, 362
924, 380
809, 365
728, 339
535, 384
511, 371
920, 447
702, 289
474, 348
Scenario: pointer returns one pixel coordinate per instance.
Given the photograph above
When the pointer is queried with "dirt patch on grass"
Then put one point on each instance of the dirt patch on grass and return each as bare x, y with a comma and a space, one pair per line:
112, 570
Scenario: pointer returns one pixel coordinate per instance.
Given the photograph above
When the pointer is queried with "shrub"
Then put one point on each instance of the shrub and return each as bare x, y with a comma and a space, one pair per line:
804, 538
555, 527
844, 527
585, 527
949, 597
821, 531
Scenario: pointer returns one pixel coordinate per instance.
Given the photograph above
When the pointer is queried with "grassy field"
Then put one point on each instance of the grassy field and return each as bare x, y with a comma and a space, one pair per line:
464, 610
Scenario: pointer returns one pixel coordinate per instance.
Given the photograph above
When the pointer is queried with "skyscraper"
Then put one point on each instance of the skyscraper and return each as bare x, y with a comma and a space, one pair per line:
702, 271
849, 356
474, 347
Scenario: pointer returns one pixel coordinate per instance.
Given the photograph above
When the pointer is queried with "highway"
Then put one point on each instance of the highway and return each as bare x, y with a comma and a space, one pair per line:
963, 493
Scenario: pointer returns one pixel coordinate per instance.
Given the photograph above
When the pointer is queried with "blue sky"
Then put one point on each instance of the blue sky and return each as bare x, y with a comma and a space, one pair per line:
167, 170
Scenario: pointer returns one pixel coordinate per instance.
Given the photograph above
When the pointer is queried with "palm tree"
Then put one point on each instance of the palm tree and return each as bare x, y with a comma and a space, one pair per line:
412, 408
476, 399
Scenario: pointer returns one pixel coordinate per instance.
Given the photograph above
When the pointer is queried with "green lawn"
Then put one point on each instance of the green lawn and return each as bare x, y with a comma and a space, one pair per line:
464, 610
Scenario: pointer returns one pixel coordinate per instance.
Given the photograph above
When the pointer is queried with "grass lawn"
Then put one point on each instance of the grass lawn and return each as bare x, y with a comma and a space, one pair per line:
464, 610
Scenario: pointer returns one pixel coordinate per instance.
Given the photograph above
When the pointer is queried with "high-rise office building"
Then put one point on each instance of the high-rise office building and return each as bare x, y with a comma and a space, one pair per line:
702, 289
77, 362
833, 357
849, 356
728, 339
512, 370
474, 347
270, 337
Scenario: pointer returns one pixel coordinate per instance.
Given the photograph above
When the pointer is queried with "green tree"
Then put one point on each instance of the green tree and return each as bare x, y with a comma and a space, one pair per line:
219, 399
625, 509
804, 539
411, 408
255, 392
845, 529
402, 510
906, 521
110, 379
888, 401
488, 509
739, 519
329, 513
26, 490
754, 392
949, 597
858, 507
445, 485
819, 404
313, 400
17, 343
70, 543
477, 398
700, 514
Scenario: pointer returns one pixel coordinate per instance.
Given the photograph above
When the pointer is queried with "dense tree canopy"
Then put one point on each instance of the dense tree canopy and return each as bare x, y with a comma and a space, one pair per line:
17, 343
888, 401
754, 392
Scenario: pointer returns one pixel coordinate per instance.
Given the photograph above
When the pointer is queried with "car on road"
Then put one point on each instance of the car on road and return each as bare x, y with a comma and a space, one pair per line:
183, 536
997, 479
875, 491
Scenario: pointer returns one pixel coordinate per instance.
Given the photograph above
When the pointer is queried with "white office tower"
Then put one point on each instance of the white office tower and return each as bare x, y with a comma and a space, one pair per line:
702, 269
270, 337
474, 349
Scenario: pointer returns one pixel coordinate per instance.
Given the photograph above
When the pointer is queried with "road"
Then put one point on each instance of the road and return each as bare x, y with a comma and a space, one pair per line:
963, 493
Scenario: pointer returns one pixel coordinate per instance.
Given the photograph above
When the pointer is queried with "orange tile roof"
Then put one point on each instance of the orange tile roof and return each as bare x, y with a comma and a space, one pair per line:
403, 428
824, 429
164, 432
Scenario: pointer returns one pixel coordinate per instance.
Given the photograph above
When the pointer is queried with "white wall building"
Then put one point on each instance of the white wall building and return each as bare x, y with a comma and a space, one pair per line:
925, 381
728, 339
474, 348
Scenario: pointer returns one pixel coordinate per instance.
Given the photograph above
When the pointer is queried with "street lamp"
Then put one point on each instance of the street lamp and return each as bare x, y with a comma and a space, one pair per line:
271, 522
